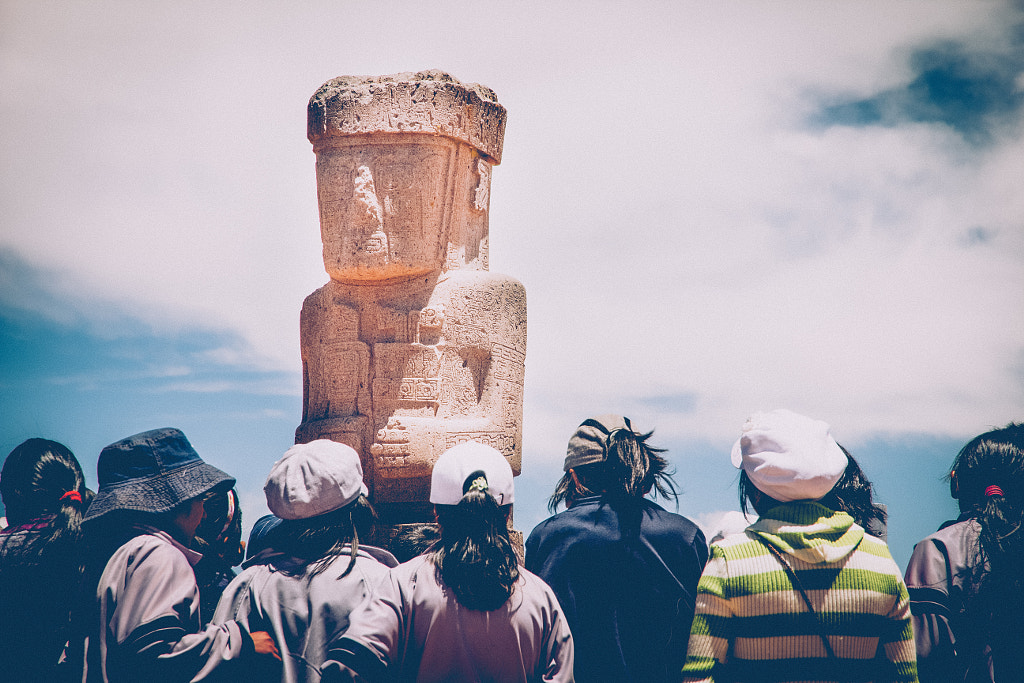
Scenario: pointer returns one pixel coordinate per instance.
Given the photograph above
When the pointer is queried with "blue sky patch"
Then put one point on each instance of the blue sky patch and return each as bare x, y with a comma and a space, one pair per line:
974, 93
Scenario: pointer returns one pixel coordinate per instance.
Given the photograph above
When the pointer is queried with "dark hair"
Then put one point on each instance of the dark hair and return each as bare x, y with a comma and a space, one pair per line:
631, 470
753, 498
320, 539
475, 557
854, 494
39, 478
994, 595
414, 540
42, 565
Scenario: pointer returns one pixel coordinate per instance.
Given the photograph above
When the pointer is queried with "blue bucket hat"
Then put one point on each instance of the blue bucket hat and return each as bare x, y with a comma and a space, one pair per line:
154, 472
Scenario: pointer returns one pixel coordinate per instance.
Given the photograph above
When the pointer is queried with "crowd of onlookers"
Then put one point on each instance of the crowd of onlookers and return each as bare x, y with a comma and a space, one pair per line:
138, 581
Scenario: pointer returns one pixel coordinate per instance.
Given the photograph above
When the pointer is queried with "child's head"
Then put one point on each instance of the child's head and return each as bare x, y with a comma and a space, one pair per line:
785, 457
990, 464
156, 475
607, 457
472, 490
41, 477
317, 489
261, 535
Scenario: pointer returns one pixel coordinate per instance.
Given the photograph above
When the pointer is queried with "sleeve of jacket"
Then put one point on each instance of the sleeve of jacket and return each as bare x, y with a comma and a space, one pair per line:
898, 642
235, 603
709, 635
928, 583
155, 626
558, 647
375, 634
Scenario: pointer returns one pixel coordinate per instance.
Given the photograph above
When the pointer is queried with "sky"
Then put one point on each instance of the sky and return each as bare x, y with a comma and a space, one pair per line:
715, 208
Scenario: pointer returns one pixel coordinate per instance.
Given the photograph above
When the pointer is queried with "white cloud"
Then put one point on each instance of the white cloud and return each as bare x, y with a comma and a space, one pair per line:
679, 231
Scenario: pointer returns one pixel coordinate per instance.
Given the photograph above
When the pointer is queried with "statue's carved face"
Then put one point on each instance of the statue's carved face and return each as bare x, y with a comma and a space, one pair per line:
385, 209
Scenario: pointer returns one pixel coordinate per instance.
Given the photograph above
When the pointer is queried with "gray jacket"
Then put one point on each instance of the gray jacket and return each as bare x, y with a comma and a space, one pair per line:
414, 626
275, 593
148, 627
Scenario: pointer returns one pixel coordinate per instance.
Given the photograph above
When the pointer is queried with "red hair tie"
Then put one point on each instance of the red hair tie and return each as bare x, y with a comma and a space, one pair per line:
993, 490
73, 495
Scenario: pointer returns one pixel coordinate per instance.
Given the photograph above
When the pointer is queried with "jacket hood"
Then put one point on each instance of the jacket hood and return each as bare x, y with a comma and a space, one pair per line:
284, 561
809, 531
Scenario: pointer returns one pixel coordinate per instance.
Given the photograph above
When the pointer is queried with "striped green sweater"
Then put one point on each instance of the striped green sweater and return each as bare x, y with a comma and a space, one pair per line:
751, 624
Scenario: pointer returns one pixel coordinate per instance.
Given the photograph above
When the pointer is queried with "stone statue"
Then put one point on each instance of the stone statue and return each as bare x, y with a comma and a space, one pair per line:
412, 346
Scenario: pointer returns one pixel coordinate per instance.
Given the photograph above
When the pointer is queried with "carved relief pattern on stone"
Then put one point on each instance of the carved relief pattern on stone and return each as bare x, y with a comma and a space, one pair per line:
482, 195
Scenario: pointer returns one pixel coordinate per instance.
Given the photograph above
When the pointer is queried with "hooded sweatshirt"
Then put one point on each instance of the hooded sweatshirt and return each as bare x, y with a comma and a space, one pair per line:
752, 623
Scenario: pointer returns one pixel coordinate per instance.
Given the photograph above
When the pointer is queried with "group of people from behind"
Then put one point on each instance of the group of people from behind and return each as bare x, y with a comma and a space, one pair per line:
133, 583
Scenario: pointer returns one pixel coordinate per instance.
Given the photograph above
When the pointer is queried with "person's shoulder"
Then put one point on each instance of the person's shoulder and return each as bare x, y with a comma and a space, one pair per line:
413, 568
949, 546
740, 545
154, 548
955, 531
566, 520
533, 584
877, 550
656, 514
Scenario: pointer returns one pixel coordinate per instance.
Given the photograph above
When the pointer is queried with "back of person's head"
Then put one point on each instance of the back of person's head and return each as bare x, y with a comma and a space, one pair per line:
151, 475
317, 490
987, 479
261, 535
42, 478
472, 491
607, 457
149, 479
786, 457
989, 471
414, 540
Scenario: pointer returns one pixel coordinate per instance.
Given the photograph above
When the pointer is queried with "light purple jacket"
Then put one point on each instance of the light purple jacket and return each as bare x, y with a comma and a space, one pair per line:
148, 628
416, 627
276, 593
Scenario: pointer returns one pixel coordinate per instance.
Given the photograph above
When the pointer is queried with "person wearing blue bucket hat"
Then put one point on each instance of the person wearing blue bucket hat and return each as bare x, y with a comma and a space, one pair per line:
139, 612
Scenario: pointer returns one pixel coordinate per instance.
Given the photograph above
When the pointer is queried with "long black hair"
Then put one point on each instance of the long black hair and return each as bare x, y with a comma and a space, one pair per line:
987, 479
42, 553
43, 479
320, 539
631, 470
475, 557
855, 495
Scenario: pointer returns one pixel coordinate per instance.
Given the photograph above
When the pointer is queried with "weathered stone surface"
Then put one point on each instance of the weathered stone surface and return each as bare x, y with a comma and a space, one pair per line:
431, 101
412, 346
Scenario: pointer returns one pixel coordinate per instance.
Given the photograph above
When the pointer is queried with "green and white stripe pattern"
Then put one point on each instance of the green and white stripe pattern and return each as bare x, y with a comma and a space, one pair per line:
751, 624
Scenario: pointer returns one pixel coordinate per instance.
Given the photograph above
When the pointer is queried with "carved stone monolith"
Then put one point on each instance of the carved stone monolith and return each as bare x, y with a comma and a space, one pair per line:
413, 345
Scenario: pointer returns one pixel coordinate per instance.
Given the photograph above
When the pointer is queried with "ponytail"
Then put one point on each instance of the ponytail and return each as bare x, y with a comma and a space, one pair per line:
42, 478
475, 557
988, 480
636, 468
43, 486
632, 468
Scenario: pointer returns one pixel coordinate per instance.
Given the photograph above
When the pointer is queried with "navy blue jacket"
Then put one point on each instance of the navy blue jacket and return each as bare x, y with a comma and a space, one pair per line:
625, 576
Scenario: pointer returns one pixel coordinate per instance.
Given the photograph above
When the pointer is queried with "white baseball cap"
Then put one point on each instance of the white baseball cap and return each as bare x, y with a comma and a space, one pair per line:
460, 467
788, 456
313, 479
